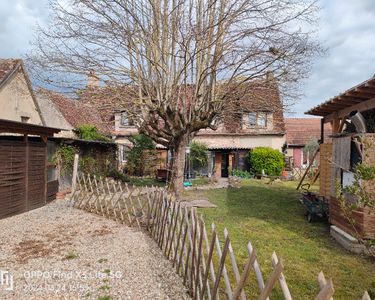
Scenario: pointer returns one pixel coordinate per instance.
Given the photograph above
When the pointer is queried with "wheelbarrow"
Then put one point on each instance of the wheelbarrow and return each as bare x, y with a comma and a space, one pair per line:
315, 206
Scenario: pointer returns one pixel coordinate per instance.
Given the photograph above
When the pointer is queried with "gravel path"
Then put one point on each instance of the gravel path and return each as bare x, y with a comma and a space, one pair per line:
58, 252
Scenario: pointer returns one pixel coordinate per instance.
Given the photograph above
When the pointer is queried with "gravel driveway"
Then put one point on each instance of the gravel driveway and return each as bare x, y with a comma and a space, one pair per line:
59, 252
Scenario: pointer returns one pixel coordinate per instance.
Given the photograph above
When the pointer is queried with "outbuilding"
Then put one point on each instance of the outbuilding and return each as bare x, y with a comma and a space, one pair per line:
24, 182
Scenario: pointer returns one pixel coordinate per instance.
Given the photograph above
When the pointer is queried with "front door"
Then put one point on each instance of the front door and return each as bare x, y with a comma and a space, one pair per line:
224, 164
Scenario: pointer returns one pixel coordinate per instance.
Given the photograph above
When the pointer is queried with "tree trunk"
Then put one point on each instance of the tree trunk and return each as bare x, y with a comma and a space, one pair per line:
178, 165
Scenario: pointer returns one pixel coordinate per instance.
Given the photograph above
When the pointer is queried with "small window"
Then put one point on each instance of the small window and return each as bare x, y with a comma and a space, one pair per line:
124, 119
258, 119
252, 118
262, 119
123, 153
25, 119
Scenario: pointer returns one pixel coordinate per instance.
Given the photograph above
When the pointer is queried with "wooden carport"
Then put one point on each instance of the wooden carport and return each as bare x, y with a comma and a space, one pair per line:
23, 167
336, 110
336, 157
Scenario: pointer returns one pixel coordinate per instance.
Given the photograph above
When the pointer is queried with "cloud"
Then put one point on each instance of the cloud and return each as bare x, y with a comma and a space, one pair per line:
347, 30
18, 21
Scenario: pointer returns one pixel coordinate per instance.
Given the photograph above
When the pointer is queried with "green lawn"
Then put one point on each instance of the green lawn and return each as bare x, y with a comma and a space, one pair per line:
271, 217
140, 181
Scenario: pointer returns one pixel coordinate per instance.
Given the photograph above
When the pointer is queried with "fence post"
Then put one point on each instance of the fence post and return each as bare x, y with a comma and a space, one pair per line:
75, 171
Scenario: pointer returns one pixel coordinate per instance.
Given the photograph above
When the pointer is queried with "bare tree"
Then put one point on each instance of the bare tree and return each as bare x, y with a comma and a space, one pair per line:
184, 58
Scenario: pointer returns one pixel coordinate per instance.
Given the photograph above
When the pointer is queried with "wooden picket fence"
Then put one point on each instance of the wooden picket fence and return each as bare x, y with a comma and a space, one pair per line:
207, 265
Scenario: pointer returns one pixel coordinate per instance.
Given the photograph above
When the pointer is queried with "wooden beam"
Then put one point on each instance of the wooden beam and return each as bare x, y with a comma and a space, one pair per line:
363, 106
360, 95
335, 125
367, 89
308, 169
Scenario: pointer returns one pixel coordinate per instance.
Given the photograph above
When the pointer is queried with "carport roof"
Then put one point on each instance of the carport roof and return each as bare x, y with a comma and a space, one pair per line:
8, 126
360, 97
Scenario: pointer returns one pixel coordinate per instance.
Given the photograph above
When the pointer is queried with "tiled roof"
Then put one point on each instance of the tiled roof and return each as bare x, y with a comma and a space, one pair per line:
260, 95
75, 112
7, 66
299, 131
107, 100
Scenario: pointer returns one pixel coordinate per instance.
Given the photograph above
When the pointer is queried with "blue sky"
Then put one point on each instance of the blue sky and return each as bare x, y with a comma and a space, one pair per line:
347, 29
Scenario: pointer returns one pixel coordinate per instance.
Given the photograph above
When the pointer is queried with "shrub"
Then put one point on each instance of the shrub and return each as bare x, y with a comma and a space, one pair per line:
267, 159
142, 157
91, 133
242, 173
198, 154
64, 158
117, 175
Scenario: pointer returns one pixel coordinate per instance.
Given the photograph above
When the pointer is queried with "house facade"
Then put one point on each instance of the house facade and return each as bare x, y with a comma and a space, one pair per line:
17, 99
251, 119
254, 119
300, 132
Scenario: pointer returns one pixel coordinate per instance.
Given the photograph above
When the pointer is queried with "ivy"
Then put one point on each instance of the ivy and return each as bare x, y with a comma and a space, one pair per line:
90, 133
64, 158
142, 156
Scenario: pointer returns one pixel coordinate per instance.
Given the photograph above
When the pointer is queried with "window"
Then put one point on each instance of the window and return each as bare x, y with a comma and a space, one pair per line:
25, 119
262, 119
252, 118
123, 153
125, 119
258, 119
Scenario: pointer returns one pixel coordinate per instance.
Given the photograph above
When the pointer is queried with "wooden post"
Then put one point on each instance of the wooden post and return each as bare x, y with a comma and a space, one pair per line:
307, 169
75, 171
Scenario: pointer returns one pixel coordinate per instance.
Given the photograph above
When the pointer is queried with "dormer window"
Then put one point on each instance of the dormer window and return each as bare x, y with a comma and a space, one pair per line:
125, 120
257, 119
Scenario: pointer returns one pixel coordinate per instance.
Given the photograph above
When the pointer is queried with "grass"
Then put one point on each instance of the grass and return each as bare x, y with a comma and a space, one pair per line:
271, 217
200, 181
71, 255
139, 181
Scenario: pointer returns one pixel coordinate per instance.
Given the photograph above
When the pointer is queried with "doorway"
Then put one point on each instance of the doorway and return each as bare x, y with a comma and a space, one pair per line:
224, 164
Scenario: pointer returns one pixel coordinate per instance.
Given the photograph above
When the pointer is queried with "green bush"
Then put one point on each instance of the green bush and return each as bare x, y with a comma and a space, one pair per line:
64, 158
90, 133
198, 154
242, 173
117, 175
142, 157
267, 159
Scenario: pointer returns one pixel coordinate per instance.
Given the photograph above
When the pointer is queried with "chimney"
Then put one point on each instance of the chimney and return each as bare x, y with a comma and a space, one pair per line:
92, 79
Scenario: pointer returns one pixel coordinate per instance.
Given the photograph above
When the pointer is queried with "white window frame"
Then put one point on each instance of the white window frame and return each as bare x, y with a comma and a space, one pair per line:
122, 150
124, 116
257, 115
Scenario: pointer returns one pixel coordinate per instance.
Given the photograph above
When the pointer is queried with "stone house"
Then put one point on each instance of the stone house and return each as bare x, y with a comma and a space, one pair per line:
253, 118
